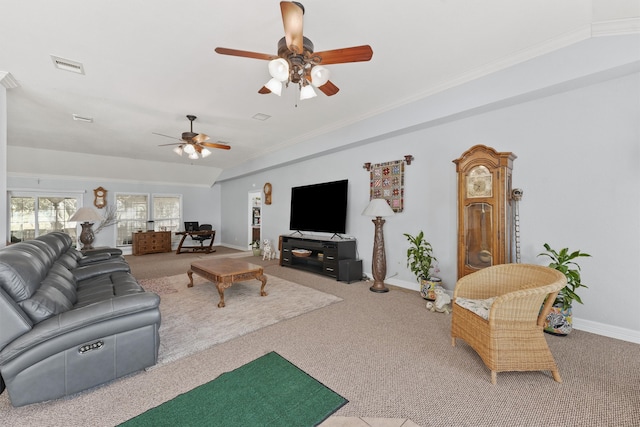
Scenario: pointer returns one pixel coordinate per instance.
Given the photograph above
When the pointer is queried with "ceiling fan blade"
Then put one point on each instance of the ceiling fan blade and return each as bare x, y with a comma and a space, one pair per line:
200, 138
347, 54
292, 16
264, 90
329, 88
215, 145
175, 143
166, 136
245, 53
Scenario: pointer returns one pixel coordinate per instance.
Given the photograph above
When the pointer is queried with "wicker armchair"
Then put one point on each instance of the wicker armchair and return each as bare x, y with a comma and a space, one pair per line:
511, 339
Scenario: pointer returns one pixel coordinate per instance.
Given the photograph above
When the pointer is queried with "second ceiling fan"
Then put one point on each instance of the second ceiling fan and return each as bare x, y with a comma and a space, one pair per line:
296, 62
194, 144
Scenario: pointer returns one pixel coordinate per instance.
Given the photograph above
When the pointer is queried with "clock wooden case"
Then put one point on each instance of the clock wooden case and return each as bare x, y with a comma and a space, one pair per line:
485, 218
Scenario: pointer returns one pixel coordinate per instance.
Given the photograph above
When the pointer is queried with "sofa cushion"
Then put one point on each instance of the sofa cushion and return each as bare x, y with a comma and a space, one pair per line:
46, 302
68, 261
106, 286
62, 279
20, 273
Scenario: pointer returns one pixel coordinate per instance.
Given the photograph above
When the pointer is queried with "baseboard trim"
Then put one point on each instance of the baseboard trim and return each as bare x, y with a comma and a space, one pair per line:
610, 331
597, 328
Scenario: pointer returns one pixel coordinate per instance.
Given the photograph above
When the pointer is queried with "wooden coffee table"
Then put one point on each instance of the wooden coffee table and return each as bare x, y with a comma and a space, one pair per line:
224, 272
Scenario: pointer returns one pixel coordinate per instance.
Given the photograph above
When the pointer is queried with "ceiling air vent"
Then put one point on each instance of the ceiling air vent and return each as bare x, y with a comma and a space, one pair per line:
82, 119
67, 65
261, 116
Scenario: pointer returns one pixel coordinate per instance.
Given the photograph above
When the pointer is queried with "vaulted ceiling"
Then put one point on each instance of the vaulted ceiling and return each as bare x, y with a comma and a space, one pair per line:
149, 64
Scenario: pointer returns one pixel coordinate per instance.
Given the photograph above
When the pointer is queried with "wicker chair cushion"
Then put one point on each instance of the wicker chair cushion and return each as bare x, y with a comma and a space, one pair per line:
480, 307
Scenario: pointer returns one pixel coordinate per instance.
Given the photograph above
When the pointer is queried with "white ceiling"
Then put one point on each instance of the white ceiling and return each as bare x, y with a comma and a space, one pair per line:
150, 63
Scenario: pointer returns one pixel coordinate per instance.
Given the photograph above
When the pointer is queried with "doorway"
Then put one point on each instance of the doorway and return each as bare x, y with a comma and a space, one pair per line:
255, 217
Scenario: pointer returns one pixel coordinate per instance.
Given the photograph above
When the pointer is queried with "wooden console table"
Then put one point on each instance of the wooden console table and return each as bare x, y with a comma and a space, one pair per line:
150, 242
206, 249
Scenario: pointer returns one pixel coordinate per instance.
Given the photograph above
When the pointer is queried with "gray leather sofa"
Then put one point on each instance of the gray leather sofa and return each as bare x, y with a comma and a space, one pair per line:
70, 321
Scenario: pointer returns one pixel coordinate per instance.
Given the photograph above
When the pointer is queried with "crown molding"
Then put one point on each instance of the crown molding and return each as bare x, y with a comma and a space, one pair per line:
7, 80
616, 27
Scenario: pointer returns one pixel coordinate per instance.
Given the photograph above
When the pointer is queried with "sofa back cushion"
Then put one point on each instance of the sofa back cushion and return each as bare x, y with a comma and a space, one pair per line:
54, 241
20, 273
48, 301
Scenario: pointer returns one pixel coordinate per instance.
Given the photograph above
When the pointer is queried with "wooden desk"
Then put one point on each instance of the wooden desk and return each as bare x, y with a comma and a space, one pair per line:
223, 272
201, 248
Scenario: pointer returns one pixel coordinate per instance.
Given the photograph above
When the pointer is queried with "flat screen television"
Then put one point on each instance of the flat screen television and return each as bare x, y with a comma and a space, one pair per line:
320, 207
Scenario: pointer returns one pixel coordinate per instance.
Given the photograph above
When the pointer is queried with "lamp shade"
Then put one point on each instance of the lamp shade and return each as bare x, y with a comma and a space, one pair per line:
279, 69
205, 152
86, 215
319, 75
189, 149
307, 92
194, 155
178, 150
378, 207
274, 86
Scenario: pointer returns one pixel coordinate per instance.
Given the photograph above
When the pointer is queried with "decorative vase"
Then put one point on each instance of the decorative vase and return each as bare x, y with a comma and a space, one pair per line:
428, 288
559, 321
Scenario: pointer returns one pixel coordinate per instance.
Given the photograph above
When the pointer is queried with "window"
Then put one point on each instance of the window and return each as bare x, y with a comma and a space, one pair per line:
32, 215
132, 216
166, 212
133, 212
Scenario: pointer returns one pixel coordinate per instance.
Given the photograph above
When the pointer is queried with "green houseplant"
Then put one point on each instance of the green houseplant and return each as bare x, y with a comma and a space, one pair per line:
255, 246
420, 260
559, 320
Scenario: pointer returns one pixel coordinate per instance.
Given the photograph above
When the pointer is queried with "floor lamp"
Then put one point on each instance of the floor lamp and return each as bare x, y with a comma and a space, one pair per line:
86, 216
378, 208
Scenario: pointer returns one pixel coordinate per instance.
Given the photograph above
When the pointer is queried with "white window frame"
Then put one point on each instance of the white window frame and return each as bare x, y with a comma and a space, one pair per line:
40, 194
150, 214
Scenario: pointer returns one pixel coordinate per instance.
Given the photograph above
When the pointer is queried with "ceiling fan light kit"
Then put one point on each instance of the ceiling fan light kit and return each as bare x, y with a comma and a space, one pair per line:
275, 86
296, 62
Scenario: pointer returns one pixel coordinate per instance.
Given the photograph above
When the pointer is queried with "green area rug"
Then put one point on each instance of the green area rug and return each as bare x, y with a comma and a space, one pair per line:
269, 391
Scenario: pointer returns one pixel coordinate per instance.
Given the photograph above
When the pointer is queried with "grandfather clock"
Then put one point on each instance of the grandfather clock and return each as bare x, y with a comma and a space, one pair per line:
485, 220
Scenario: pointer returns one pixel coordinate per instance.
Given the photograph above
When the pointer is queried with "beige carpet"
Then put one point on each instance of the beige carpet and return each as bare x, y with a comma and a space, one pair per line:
192, 321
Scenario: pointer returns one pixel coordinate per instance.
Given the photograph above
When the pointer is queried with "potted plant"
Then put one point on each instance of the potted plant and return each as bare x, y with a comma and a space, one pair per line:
255, 246
420, 261
559, 321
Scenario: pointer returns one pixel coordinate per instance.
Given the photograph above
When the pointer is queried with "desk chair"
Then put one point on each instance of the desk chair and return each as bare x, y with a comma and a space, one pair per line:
202, 238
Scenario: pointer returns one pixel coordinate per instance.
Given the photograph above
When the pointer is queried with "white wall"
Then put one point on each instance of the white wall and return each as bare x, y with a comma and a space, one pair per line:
578, 163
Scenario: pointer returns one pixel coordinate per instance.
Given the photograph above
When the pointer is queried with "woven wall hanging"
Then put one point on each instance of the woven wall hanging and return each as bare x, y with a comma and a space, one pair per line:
387, 182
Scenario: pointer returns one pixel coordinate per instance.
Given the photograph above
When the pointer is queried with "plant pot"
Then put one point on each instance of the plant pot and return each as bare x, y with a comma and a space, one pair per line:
256, 251
428, 288
559, 321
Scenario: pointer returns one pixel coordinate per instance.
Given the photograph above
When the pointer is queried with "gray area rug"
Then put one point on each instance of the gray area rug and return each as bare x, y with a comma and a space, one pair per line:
192, 321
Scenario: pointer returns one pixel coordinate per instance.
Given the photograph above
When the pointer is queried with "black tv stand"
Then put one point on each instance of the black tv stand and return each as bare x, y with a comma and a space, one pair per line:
333, 258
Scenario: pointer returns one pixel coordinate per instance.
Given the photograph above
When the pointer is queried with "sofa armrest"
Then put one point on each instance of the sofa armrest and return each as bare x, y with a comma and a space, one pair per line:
88, 271
89, 259
70, 324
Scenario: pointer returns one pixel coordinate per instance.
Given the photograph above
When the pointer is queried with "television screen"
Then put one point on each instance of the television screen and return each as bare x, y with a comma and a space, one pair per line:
319, 207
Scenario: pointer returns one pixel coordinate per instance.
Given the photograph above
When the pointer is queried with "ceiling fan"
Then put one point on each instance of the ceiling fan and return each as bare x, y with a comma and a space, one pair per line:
296, 62
193, 144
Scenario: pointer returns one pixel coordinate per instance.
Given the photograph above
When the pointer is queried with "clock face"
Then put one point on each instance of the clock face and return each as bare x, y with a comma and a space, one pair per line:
479, 182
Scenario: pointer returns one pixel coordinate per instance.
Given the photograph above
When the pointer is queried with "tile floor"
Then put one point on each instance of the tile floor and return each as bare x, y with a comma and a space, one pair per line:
336, 421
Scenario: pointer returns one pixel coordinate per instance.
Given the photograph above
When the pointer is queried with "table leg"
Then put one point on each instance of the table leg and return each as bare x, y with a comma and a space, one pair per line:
190, 274
221, 287
184, 236
263, 279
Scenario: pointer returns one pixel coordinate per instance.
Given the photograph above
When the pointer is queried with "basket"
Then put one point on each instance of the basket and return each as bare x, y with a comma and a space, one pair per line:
301, 252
